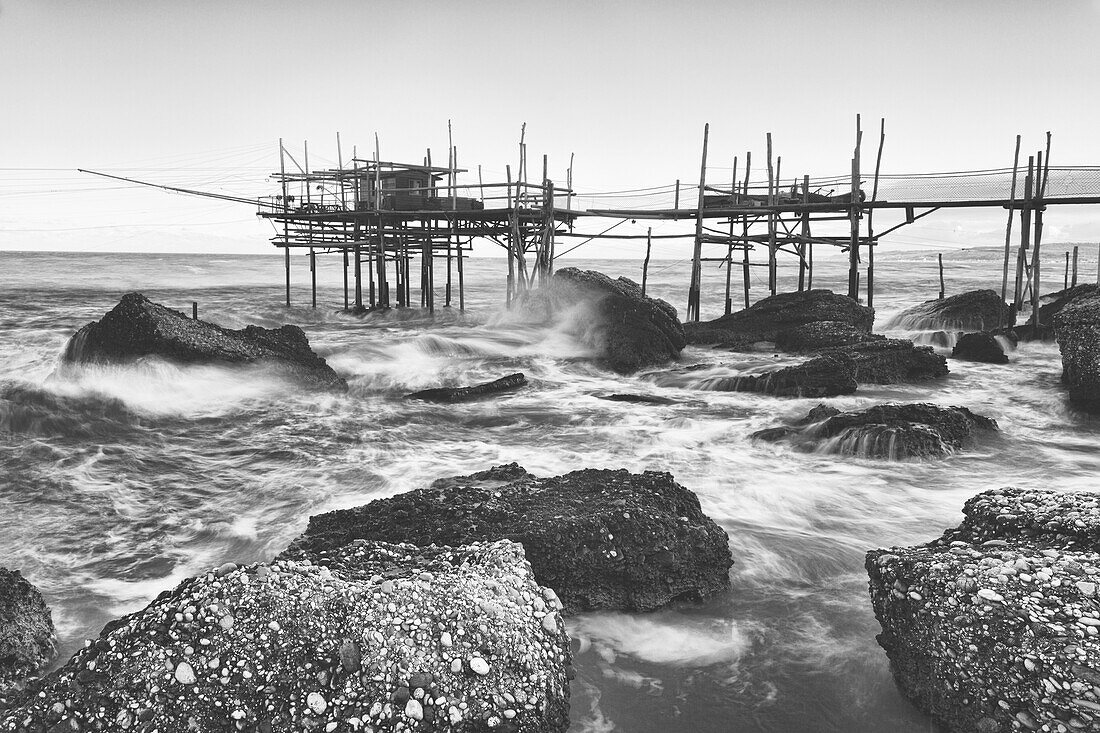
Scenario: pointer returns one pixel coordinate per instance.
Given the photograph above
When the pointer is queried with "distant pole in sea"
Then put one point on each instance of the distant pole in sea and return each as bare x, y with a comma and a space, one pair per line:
940, 257
645, 265
1073, 282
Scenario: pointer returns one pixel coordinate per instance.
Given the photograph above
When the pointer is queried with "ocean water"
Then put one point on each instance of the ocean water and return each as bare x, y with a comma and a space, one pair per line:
119, 483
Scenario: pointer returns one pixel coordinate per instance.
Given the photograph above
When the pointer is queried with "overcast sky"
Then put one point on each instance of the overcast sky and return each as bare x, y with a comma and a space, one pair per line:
198, 93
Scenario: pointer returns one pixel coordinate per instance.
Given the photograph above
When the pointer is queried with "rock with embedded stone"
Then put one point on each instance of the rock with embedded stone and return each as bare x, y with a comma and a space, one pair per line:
138, 328
601, 539
803, 320
893, 431
27, 641
622, 328
281, 667
1078, 329
974, 310
988, 628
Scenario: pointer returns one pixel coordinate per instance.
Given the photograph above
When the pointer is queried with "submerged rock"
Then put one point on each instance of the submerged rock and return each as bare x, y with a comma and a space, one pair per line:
348, 642
465, 394
982, 347
27, 641
891, 361
138, 327
1078, 329
894, 431
803, 320
822, 376
974, 310
624, 329
639, 399
601, 539
994, 626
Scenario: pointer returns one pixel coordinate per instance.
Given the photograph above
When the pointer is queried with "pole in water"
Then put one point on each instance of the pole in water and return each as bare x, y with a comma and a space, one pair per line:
286, 257
1065, 279
645, 264
194, 310
1073, 282
940, 257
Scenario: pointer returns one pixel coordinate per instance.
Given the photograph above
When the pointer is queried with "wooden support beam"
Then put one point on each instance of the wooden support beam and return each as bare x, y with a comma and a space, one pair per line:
745, 229
854, 212
1073, 282
1025, 235
696, 266
645, 262
313, 276
870, 220
772, 268
1011, 216
939, 257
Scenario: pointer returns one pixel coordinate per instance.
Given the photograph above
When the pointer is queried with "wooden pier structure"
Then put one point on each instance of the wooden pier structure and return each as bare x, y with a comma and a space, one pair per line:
404, 230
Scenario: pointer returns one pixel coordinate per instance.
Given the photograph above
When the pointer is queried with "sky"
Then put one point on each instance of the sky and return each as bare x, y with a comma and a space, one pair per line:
197, 93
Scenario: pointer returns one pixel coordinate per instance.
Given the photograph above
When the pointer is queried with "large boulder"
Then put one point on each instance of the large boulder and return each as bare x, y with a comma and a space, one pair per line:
27, 641
1078, 329
891, 361
509, 383
138, 327
623, 328
893, 431
822, 376
994, 626
793, 318
369, 636
974, 310
601, 539
982, 346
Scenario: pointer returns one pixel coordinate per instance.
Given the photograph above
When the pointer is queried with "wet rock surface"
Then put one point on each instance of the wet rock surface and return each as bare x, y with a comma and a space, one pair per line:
369, 637
601, 539
509, 383
1078, 329
891, 361
995, 626
624, 329
974, 310
1053, 303
803, 320
823, 376
27, 640
982, 347
138, 327
892, 431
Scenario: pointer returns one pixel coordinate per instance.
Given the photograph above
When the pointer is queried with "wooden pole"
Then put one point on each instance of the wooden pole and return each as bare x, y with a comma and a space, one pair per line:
510, 292
729, 244
1098, 265
676, 201
1073, 282
358, 271
805, 235
854, 211
1035, 262
345, 251
313, 275
286, 258
645, 264
1011, 216
772, 285
697, 253
745, 229
286, 211
1025, 235
870, 220
1065, 281
194, 310
940, 258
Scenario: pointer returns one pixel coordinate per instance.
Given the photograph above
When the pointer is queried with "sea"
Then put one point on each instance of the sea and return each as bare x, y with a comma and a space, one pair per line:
119, 482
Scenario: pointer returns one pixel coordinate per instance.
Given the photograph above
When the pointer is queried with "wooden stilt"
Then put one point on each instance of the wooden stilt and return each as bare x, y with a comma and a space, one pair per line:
511, 291
697, 254
676, 201
805, 235
645, 262
345, 278
286, 257
939, 257
854, 212
1025, 235
1035, 262
358, 276
313, 276
772, 274
1073, 282
1065, 280
1011, 216
729, 243
870, 220
745, 230
194, 310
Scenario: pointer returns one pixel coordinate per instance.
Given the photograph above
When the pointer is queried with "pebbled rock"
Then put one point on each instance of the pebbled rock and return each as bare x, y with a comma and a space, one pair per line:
624, 329
1053, 303
892, 431
974, 310
280, 667
798, 319
982, 347
27, 641
138, 327
993, 626
823, 376
601, 539
1078, 329
891, 361
465, 394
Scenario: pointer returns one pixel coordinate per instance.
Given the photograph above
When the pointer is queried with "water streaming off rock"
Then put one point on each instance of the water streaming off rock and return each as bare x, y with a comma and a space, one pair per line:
119, 482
